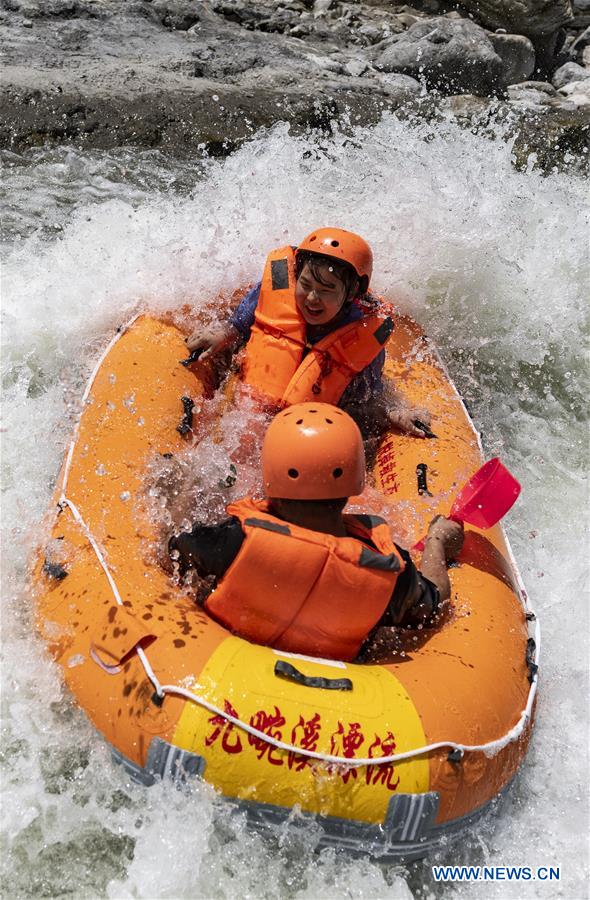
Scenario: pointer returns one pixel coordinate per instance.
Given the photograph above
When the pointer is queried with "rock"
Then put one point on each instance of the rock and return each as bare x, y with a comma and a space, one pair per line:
540, 20
406, 19
355, 67
586, 57
451, 55
183, 76
552, 134
577, 92
580, 45
532, 93
321, 6
538, 95
528, 17
571, 71
179, 15
403, 86
371, 32
543, 86
517, 54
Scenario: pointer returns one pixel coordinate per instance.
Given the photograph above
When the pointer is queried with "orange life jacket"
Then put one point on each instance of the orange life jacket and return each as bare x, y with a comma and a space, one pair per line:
302, 591
274, 365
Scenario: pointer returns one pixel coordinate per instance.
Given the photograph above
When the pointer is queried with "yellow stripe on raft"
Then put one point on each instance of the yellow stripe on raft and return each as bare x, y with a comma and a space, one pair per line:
377, 718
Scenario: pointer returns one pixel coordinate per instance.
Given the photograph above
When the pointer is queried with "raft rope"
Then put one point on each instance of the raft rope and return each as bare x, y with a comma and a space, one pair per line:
491, 748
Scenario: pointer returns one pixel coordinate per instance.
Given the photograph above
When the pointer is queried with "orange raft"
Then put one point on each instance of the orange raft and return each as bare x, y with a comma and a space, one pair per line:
390, 758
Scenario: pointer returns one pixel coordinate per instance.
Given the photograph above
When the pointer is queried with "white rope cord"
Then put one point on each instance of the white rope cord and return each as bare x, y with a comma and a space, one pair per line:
120, 332
490, 748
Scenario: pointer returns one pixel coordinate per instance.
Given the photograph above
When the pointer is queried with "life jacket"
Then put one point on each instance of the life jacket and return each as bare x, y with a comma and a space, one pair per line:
303, 591
274, 365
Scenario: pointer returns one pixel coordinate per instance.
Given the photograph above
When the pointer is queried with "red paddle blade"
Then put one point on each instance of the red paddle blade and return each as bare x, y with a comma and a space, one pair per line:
485, 499
487, 496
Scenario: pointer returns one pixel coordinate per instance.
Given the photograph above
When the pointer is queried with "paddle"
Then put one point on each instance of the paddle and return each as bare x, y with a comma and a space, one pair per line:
485, 498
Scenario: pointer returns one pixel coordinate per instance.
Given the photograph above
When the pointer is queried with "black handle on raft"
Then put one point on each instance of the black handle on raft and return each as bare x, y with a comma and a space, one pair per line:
193, 357
286, 670
531, 649
424, 428
54, 570
421, 473
186, 422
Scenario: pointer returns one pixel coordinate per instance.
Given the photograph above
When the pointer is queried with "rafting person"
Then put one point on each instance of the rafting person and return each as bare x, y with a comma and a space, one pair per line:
313, 331
295, 573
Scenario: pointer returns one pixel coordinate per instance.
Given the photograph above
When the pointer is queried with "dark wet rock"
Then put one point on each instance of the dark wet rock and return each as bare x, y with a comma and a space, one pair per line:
179, 15
569, 72
450, 54
183, 75
543, 21
580, 47
56, 9
517, 54
405, 86
528, 17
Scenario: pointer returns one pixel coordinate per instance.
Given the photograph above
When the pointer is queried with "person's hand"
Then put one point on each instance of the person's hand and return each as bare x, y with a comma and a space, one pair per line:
449, 533
405, 417
210, 341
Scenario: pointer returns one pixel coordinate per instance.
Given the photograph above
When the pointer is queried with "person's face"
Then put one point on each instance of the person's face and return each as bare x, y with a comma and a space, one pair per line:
319, 301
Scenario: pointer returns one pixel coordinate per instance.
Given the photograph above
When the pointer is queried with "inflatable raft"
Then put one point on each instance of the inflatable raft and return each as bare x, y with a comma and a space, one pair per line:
390, 758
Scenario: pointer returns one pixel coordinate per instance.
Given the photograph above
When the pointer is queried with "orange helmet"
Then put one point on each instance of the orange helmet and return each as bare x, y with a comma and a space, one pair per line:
313, 451
342, 245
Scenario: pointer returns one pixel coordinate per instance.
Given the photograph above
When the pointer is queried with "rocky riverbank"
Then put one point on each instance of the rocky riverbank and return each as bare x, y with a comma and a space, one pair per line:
184, 75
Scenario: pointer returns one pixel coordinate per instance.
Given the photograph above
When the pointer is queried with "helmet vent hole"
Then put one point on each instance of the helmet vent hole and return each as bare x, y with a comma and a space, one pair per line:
293, 473
337, 473
299, 422
313, 410
335, 243
312, 238
329, 421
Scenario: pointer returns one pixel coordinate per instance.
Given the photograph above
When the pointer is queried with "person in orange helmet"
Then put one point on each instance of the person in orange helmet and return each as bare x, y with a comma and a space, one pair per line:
296, 573
314, 332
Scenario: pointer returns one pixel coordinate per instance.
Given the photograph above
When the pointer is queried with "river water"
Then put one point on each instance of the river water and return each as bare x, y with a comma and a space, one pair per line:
495, 264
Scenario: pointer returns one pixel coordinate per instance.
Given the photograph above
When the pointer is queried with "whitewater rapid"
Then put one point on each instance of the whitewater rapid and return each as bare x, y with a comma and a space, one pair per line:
495, 264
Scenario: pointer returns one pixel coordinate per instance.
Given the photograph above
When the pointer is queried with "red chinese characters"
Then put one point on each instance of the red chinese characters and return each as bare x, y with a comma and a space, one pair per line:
306, 735
387, 469
384, 773
230, 741
345, 743
268, 723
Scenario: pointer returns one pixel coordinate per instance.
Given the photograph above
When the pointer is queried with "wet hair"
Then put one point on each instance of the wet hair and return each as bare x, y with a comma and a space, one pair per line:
318, 263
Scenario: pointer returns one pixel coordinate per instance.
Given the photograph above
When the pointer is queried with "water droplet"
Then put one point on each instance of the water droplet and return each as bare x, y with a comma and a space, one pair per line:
77, 660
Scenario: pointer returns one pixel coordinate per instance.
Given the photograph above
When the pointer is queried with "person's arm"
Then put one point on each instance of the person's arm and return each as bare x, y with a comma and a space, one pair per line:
443, 544
403, 415
242, 318
418, 593
229, 335
376, 407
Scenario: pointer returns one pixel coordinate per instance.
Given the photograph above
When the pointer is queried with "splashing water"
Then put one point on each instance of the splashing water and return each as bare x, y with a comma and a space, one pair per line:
494, 263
